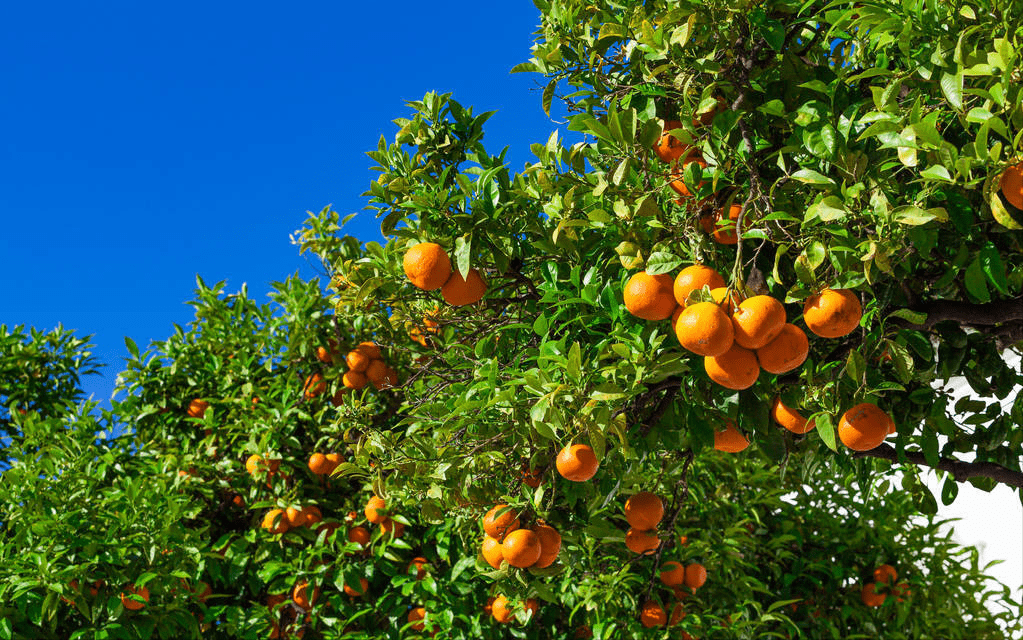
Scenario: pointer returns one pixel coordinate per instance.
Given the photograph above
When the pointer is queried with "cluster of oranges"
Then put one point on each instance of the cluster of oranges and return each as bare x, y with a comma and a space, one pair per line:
428, 267
874, 594
365, 364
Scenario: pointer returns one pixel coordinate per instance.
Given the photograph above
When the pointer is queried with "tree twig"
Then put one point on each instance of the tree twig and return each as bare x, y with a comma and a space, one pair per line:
959, 469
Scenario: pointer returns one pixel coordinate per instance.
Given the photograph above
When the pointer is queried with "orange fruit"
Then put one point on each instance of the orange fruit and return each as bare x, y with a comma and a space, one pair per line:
357, 360
356, 592
324, 355
644, 510
577, 462
359, 535
369, 349
417, 614
722, 233
790, 418
313, 386
832, 313
870, 596
354, 380
500, 520
492, 551
257, 464
373, 509
312, 514
787, 351
376, 371
388, 380
642, 542
673, 574
705, 329
500, 609
677, 613
420, 564
696, 575
532, 606
196, 409
757, 321
726, 299
388, 524
531, 477
134, 605
1012, 185
652, 615
864, 427
735, 369
295, 517
521, 548
459, 291
885, 574
550, 545
427, 266
275, 522
677, 183
730, 439
300, 596
649, 297
669, 148
323, 464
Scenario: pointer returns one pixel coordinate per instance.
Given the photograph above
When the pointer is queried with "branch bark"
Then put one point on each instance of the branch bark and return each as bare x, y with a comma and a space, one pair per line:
966, 313
960, 470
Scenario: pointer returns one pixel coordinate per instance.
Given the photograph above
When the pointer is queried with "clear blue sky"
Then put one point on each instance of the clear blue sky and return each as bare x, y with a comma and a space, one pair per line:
145, 143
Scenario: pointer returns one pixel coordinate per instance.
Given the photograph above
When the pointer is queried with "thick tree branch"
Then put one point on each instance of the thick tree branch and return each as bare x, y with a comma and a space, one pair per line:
966, 313
959, 469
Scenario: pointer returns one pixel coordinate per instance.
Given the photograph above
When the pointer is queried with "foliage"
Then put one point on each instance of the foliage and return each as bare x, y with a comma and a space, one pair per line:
863, 143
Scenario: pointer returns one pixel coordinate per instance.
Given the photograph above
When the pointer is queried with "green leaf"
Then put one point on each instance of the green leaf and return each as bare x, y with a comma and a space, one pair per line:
913, 215
994, 268
952, 88
463, 253
548, 96
937, 172
914, 317
825, 429
662, 262
1000, 213
809, 176
976, 281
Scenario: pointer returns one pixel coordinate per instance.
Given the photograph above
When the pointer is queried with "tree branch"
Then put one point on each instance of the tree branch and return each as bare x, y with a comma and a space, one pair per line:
959, 469
967, 313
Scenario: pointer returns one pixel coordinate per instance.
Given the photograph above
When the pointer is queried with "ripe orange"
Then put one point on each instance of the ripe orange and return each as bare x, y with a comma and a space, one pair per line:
313, 386
735, 369
295, 517
696, 575
677, 183
786, 352
131, 604
416, 615
357, 360
757, 321
669, 148
354, 380
359, 535
722, 233
550, 545
376, 371
863, 427
790, 418
459, 291
726, 299
705, 329
257, 464
885, 574
373, 509
531, 477
427, 266
677, 613
521, 548
324, 355
832, 313
323, 464
500, 609
388, 524
500, 520
673, 574
388, 380
870, 596
300, 596
197, 409
644, 510
420, 564
531, 605
649, 297
275, 522
359, 591
730, 439
652, 615
312, 514
577, 463
707, 117
695, 277
370, 350
492, 551
1012, 185
642, 542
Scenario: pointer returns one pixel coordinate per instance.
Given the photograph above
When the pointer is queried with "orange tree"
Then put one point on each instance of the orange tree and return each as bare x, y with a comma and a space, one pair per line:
682, 373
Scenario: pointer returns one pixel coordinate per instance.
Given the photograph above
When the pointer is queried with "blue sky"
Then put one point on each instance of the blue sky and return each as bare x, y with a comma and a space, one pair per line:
144, 144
